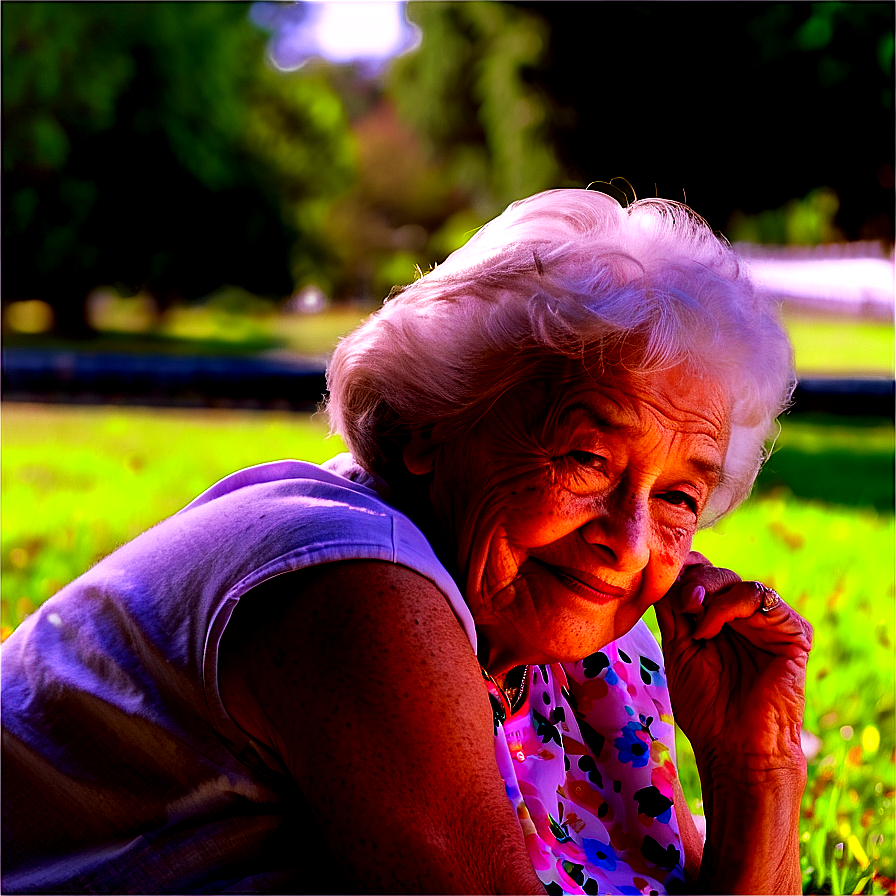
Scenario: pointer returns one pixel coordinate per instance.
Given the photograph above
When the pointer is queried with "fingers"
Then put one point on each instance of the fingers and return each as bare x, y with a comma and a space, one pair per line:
667, 619
705, 598
779, 630
698, 577
739, 601
695, 558
687, 595
711, 578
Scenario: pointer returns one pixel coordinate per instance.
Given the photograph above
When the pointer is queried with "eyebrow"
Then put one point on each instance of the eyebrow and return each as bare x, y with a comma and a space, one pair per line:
602, 421
597, 418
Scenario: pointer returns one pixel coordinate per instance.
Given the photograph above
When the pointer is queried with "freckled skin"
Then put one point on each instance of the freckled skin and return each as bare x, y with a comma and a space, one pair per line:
571, 508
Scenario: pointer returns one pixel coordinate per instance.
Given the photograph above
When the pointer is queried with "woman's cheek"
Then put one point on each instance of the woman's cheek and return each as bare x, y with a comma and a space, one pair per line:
542, 515
668, 557
503, 565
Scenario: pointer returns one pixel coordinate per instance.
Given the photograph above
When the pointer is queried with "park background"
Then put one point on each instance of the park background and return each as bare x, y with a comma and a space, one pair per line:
196, 188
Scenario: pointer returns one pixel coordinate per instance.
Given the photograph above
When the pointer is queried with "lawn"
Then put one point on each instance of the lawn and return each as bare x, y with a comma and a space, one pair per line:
77, 482
839, 345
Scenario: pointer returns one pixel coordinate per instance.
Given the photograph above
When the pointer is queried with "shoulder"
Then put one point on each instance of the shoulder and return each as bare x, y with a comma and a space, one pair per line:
384, 605
342, 633
296, 474
362, 681
293, 494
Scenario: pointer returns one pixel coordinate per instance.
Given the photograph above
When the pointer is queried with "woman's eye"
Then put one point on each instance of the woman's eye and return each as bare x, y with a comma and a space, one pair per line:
586, 458
682, 499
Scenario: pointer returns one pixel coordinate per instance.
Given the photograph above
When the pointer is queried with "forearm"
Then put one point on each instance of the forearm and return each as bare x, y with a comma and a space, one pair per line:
752, 830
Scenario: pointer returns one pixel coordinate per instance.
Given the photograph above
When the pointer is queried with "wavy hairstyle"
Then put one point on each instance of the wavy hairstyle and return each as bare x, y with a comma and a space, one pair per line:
567, 273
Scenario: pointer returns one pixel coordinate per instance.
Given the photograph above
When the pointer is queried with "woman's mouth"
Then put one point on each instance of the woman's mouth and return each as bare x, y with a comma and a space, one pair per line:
583, 583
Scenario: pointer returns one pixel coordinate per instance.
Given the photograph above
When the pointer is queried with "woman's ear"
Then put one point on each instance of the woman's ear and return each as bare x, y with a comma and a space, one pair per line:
419, 453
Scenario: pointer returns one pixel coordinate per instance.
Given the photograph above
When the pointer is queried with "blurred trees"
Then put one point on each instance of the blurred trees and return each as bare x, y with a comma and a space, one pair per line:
468, 90
392, 218
731, 106
399, 209
150, 146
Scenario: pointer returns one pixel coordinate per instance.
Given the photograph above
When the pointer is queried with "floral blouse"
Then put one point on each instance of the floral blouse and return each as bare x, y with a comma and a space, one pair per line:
588, 760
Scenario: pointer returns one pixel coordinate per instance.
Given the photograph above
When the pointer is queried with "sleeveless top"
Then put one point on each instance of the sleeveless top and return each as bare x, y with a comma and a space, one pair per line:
123, 773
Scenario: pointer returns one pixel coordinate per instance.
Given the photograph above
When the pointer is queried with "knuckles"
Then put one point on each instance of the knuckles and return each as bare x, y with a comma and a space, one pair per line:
712, 578
808, 632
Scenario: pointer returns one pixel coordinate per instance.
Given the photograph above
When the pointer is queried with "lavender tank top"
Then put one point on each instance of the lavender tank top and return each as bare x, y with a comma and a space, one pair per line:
123, 773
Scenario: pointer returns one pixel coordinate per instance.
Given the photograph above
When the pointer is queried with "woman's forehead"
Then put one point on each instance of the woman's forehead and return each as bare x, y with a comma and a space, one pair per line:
618, 399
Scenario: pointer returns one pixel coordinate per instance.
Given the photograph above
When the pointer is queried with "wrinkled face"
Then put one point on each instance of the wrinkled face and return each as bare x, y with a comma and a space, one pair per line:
572, 506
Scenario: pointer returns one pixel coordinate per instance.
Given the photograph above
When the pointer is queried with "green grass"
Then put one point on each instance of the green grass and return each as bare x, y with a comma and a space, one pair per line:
820, 530
835, 565
77, 482
835, 460
835, 345
204, 331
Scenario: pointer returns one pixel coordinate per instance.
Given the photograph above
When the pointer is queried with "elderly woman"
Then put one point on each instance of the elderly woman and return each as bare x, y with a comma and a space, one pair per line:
423, 667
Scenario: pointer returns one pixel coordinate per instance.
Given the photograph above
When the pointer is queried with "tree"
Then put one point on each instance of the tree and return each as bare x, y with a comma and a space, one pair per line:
725, 105
467, 90
392, 217
151, 146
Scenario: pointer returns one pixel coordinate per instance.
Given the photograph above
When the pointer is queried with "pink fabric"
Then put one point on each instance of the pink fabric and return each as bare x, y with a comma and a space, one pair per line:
588, 760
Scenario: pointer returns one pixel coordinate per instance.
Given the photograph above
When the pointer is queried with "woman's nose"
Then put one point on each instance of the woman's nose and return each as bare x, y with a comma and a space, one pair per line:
622, 530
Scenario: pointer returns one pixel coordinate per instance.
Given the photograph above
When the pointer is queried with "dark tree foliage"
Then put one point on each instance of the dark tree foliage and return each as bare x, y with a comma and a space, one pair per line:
148, 145
727, 105
466, 91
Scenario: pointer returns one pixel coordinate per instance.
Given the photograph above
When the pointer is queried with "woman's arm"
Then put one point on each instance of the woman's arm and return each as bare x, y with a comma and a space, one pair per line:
752, 832
360, 678
736, 677
751, 837
691, 841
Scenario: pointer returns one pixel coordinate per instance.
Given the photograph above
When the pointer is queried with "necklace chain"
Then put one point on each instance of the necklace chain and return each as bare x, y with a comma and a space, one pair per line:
515, 693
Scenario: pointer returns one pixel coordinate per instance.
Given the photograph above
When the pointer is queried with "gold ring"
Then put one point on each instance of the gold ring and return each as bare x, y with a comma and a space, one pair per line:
770, 598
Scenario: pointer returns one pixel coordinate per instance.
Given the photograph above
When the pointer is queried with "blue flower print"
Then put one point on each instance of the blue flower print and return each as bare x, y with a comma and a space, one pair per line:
631, 747
600, 855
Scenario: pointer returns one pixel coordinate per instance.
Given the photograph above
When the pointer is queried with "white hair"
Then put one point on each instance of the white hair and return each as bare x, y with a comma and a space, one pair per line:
566, 273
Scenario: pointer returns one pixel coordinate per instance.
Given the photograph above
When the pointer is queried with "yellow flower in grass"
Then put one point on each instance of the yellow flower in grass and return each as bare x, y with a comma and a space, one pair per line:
858, 853
870, 739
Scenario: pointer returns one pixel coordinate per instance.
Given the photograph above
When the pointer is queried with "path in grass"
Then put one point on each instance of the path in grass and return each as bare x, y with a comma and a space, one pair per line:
836, 345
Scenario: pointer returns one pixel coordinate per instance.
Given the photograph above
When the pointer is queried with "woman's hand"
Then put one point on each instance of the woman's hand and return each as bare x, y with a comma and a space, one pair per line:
736, 674
736, 666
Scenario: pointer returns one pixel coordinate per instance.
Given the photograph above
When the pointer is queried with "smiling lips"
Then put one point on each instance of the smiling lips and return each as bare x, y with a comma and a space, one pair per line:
583, 583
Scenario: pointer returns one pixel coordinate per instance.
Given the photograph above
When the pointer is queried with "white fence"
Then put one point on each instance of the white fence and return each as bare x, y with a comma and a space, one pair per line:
846, 278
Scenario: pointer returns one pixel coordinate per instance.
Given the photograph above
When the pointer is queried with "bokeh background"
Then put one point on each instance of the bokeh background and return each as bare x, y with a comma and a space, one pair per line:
199, 199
